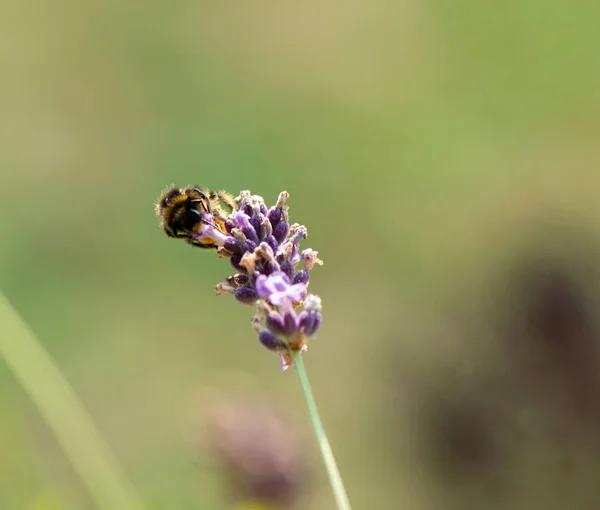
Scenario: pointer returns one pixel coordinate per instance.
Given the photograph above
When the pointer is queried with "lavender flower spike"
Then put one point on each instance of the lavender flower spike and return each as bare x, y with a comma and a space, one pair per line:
264, 249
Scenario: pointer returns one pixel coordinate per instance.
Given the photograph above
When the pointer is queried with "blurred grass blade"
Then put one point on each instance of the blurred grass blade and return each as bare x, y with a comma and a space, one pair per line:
57, 403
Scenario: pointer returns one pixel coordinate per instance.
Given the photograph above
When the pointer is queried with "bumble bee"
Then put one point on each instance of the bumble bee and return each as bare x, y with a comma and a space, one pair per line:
181, 213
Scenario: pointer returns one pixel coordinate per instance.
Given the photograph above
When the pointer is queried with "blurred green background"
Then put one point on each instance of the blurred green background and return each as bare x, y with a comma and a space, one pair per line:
444, 157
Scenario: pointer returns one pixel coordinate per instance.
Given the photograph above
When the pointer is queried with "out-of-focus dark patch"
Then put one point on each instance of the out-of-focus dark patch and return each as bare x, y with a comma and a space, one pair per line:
552, 339
259, 450
500, 396
464, 435
463, 429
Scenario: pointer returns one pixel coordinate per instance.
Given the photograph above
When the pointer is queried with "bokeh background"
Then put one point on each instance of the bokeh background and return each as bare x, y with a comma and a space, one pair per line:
444, 156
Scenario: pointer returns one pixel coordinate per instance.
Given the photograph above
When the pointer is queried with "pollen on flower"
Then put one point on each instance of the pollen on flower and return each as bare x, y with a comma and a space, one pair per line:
224, 287
249, 261
310, 258
283, 196
312, 303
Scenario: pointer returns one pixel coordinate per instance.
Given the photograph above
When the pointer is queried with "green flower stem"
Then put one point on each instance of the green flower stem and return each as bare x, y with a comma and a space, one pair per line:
56, 401
337, 485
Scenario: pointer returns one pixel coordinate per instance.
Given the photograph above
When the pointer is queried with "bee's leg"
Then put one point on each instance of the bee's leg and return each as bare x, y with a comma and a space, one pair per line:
190, 239
178, 235
204, 201
203, 246
224, 197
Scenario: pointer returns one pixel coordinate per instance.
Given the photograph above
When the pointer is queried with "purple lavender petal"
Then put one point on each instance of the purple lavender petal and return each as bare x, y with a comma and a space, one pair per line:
301, 276
249, 246
232, 245
259, 228
270, 341
248, 230
246, 295
279, 282
261, 286
293, 293
288, 268
242, 220
271, 267
311, 323
251, 235
277, 289
274, 322
290, 323
317, 324
297, 292
274, 215
301, 317
280, 231
270, 240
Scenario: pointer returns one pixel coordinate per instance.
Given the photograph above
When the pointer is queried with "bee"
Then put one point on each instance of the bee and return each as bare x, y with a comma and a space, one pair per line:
181, 212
